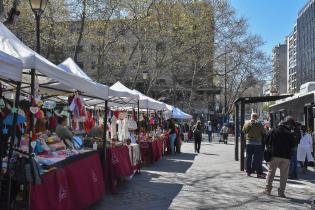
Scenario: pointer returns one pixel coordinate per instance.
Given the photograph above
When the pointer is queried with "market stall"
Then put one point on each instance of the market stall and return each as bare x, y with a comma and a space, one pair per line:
76, 183
119, 160
39, 151
10, 118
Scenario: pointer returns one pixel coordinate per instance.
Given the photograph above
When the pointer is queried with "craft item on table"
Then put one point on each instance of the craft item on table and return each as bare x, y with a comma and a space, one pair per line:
40, 114
132, 125
133, 115
132, 138
48, 114
37, 96
8, 121
125, 127
120, 130
34, 109
57, 146
77, 142
116, 114
122, 115
44, 145
24, 143
2, 103
89, 123
5, 131
100, 121
14, 110
123, 132
53, 122
77, 107
113, 127
49, 105
38, 146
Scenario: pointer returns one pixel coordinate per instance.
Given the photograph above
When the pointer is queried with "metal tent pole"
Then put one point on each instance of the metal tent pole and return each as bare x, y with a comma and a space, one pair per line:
12, 140
237, 129
242, 135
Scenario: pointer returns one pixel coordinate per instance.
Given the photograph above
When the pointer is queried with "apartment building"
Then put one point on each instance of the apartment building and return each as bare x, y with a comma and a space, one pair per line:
279, 68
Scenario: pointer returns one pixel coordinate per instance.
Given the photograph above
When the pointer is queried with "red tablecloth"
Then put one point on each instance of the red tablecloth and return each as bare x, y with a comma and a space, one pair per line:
151, 150
75, 186
118, 165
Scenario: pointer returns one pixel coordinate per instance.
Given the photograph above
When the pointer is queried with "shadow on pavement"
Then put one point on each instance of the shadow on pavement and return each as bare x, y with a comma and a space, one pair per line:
203, 153
174, 166
182, 156
143, 192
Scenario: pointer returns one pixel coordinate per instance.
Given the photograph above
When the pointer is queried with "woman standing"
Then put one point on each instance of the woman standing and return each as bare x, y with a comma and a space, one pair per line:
172, 135
197, 136
304, 151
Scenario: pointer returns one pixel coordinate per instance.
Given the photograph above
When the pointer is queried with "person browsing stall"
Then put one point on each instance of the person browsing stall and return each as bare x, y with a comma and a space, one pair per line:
97, 131
63, 131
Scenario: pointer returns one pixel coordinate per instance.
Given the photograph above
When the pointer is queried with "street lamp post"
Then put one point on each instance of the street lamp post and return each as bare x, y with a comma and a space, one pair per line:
38, 7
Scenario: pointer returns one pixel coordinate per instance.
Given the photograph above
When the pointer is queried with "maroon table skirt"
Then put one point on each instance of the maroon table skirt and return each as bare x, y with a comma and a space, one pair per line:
75, 186
118, 165
151, 150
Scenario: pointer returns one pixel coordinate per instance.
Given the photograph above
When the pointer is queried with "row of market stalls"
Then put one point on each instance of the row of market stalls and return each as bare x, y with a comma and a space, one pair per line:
113, 131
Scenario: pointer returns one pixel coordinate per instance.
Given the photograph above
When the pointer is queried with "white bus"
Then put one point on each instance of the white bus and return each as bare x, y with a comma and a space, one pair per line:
301, 106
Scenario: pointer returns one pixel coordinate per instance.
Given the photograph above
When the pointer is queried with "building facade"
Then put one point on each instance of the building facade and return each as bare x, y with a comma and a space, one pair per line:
305, 47
279, 68
291, 61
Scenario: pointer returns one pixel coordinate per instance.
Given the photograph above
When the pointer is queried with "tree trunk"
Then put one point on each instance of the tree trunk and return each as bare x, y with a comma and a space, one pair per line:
192, 86
78, 44
11, 14
1, 10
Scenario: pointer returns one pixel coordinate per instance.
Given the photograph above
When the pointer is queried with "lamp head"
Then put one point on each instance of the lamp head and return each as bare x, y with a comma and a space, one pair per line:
38, 6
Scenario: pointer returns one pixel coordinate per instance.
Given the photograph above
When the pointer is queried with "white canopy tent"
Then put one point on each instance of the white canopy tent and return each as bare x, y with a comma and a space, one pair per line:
117, 96
11, 45
10, 67
149, 103
145, 102
71, 67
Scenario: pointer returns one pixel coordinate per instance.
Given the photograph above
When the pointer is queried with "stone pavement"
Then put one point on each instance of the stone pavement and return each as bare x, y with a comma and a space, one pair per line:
209, 180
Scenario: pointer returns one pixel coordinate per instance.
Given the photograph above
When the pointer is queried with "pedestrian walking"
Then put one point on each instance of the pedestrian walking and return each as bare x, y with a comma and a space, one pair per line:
209, 128
293, 171
254, 132
304, 150
197, 136
281, 141
218, 129
224, 133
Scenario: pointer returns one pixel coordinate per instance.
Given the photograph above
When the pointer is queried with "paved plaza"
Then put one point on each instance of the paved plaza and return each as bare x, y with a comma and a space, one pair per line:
209, 180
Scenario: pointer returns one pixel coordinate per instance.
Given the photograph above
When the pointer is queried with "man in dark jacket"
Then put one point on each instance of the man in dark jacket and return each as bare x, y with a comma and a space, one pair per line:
197, 136
281, 140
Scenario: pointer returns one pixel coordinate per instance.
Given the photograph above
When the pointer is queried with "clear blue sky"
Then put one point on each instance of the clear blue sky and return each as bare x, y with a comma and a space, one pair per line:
271, 19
